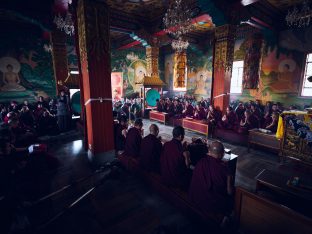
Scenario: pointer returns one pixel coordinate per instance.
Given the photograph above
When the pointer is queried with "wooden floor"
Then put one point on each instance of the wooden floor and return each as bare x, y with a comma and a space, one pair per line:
125, 205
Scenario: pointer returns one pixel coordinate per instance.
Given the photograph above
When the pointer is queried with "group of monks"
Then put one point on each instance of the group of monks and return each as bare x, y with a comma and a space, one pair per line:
196, 167
241, 119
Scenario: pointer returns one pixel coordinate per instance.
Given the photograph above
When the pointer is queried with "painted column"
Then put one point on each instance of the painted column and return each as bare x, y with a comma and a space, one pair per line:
223, 62
59, 58
94, 52
179, 70
152, 54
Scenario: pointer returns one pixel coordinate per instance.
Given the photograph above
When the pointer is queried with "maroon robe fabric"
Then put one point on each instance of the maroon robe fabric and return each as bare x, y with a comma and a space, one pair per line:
239, 113
253, 123
230, 121
208, 189
273, 127
189, 111
201, 114
172, 165
133, 142
150, 153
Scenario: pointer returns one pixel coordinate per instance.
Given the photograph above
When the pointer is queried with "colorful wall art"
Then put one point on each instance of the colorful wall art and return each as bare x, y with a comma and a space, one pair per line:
26, 70
131, 63
117, 85
281, 73
199, 72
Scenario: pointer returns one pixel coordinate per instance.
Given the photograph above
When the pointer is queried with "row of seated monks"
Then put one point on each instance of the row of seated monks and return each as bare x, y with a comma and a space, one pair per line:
188, 166
242, 119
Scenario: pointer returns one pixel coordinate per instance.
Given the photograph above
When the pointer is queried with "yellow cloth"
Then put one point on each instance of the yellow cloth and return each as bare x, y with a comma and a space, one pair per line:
280, 126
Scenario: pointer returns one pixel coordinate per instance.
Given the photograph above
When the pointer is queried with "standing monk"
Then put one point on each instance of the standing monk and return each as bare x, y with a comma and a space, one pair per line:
150, 150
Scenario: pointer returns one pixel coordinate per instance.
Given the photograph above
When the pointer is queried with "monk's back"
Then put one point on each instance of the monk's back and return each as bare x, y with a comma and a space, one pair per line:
208, 188
172, 163
133, 142
150, 153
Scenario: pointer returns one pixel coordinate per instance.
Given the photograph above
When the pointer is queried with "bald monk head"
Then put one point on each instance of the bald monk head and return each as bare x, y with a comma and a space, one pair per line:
216, 150
154, 130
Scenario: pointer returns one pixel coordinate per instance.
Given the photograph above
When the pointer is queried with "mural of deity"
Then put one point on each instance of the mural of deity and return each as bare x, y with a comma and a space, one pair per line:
200, 85
11, 81
136, 73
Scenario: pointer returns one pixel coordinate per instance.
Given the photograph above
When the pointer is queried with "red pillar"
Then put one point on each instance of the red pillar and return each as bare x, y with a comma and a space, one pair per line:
94, 52
223, 62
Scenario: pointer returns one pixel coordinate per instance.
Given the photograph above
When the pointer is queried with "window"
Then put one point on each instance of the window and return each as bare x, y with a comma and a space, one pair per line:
306, 85
237, 77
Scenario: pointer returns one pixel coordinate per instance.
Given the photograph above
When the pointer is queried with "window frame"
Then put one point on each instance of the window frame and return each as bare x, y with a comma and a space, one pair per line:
303, 76
241, 92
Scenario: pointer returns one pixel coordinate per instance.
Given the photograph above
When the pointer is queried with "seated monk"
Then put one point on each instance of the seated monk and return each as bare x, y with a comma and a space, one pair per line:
211, 185
239, 111
159, 106
175, 161
150, 150
229, 119
256, 112
177, 109
133, 139
273, 125
199, 112
198, 150
188, 110
247, 123
212, 116
169, 108
120, 131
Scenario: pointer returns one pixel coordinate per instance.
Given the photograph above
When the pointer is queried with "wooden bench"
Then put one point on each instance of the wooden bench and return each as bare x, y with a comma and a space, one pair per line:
257, 215
231, 136
265, 140
159, 116
176, 196
196, 126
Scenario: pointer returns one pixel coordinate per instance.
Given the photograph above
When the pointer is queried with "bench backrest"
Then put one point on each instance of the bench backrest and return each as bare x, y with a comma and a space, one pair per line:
255, 214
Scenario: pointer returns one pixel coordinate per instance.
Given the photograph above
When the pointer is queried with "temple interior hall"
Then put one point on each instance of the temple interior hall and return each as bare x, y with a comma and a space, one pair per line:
156, 116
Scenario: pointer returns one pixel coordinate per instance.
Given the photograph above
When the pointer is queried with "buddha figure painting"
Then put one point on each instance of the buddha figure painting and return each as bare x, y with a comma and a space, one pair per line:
10, 68
200, 85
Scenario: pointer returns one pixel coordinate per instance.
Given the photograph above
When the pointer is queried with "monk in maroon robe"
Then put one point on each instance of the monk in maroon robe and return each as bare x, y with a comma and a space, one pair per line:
211, 186
199, 112
120, 130
229, 119
188, 110
247, 123
174, 161
239, 111
133, 139
150, 150
273, 125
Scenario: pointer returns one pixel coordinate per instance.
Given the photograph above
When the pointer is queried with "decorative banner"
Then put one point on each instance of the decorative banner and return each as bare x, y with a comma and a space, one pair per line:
117, 85
252, 62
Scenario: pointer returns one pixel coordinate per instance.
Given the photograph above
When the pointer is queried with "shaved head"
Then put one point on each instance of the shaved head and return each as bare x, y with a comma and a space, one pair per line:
154, 130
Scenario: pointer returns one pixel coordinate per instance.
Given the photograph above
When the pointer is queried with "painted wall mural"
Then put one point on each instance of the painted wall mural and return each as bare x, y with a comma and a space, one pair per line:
199, 72
199, 80
132, 64
26, 70
280, 76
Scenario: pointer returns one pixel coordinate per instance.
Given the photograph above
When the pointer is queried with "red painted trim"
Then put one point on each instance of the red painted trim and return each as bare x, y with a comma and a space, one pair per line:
261, 22
129, 45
